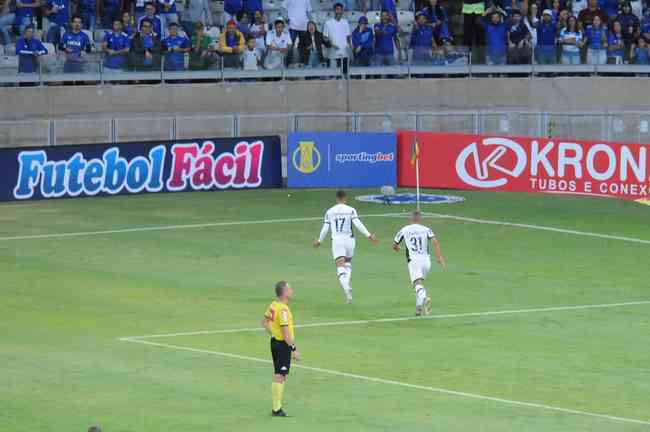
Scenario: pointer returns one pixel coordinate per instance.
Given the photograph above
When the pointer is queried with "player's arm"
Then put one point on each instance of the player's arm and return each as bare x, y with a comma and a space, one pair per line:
362, 228
397, 241
439, 257
323, 232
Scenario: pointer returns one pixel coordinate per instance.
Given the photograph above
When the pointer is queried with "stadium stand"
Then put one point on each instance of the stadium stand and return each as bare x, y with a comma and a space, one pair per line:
537, 38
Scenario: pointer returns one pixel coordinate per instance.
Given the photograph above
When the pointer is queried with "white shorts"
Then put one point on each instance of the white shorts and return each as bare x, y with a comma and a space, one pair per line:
343, 247
419, 268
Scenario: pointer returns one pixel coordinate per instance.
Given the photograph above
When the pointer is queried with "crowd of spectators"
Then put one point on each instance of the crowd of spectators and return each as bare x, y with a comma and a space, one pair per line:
145, 35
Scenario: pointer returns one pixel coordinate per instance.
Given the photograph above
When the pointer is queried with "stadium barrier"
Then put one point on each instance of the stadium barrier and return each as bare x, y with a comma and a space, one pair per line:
341, 159
141, 167
525, 164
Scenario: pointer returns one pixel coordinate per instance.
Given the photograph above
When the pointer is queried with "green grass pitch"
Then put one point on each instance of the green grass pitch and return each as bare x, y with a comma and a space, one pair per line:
67, 301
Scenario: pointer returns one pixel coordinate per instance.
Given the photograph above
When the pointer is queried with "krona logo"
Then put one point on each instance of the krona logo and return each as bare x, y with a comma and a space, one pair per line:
489, 172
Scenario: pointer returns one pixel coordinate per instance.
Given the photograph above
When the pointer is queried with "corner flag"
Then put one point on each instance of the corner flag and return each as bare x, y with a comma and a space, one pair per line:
415, 151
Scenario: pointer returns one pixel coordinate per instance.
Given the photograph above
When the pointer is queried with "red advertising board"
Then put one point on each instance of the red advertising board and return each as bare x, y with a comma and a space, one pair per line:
525, 164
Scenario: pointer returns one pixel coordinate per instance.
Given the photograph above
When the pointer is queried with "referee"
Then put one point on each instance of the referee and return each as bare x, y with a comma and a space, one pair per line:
278, 321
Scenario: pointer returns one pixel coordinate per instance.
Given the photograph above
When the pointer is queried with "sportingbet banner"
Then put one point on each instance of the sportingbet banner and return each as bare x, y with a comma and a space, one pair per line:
142, 167
341, 159
525, 164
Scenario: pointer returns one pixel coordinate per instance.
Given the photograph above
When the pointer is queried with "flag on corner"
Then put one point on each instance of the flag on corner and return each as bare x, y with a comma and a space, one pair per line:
415, 151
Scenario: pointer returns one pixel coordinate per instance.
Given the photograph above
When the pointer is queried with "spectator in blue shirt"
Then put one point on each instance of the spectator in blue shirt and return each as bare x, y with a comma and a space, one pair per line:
422, 41
109, 9
437, 17
610, 7
518, 40
28, 50
175, 47
386, 39
88, 9
644, 27
362, 43
596, 37
58, 14
145, 48
244, 24
615, 44
150, 15
126, 25
116, 46
546, 38
252, 6
25, 13
496, 36
629, 23
75, 44
639, 52
231, 9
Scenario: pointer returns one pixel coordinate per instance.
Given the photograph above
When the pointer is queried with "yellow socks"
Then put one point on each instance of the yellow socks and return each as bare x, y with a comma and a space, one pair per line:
277, 389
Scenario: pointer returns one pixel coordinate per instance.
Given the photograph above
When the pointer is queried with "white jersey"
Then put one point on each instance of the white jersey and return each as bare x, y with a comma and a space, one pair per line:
416, 239
339, 219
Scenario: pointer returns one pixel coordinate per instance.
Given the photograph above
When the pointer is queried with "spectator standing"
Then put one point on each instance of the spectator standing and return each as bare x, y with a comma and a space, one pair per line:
337, 32
546, 39
231, 45
127, 24
386, 39
167, 12
139, 9
473, 12
615, 44
629, 22
7, 18
116, 46
587, 15
231, 9
28, 50
75, 44
89, 11
145, 47
310, 46
154, 20
258, 30
195, 11
639, 52
532, 22
596, 37
610, 8
437, 17
496, 37
58, 14
363, 43
200, 56
572, 41
422, 41
109, 9
175, 46
25, 13
299, 13
251, 58
390, 7
244, 24
252, 6
518, 40
578, 6
278, 44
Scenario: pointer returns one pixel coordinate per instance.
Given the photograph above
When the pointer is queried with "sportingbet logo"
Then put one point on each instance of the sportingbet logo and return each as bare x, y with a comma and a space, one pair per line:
191, 165
497, 161
365, 157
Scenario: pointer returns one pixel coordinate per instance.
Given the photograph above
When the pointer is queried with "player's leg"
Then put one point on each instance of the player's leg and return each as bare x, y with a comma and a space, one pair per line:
349, 253
425, 268
339, 252
416, 271
281, 363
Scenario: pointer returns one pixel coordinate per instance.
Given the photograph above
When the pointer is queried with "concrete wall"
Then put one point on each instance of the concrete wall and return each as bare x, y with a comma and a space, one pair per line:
547, 94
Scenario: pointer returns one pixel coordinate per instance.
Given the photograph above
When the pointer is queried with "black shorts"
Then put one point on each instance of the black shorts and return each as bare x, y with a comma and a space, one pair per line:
281, 353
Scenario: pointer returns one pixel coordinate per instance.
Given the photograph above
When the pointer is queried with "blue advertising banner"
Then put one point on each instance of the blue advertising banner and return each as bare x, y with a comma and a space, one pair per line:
141, 167
341, 159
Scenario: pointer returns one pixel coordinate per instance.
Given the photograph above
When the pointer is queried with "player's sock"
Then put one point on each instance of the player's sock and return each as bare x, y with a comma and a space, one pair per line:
348, 267
420, 295
277, 389
344, 280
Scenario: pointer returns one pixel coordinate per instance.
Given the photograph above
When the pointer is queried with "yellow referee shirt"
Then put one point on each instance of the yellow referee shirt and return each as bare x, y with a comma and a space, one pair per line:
279, 315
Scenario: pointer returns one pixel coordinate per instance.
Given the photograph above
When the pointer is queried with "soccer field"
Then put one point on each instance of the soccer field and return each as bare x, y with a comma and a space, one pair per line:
532, 329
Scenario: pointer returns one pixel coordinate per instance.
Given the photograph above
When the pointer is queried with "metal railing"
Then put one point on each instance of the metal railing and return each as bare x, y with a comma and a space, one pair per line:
623, 126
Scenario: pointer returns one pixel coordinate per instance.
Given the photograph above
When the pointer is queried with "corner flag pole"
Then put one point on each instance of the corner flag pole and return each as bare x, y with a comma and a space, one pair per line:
416, 150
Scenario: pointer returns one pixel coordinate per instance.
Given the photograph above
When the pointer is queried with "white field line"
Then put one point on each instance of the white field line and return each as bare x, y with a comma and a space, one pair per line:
539, 227
387, 320
404, 384
180, 227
